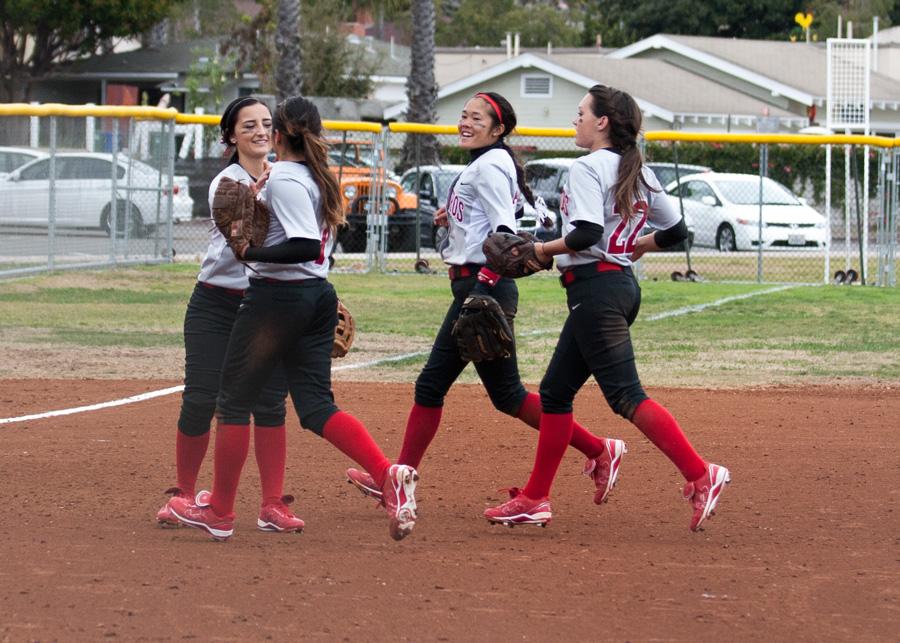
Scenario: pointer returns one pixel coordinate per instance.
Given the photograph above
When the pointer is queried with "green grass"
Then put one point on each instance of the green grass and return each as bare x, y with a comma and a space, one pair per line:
803, 334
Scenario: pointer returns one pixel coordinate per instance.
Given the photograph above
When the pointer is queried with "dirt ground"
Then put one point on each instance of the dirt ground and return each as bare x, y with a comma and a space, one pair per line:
804, 546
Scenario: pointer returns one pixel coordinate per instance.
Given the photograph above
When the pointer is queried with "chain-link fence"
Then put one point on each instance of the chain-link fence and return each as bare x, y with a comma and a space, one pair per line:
104, 186
87, 186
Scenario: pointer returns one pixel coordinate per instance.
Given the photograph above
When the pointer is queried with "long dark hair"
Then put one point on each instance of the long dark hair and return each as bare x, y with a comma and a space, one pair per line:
229, 122
506, 116
624, 126
298, 120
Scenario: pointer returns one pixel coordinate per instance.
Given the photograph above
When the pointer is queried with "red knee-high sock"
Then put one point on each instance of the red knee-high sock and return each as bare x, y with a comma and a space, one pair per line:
232, 445
350, 436
421, 427
270, 445
582, 439
189, 453
655, 421
556, 431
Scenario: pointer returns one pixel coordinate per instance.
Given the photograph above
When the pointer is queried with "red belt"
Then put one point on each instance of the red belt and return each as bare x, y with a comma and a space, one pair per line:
230, 291
582, 272
463, 271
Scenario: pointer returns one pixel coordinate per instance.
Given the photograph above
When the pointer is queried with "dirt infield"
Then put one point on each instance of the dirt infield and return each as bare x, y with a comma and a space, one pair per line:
804, 546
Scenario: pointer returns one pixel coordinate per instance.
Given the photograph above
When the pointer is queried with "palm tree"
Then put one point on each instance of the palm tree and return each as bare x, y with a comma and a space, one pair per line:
289, 68
421, 90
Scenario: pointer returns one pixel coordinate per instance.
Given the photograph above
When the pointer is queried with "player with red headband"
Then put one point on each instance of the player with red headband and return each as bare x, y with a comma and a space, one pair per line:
484, 199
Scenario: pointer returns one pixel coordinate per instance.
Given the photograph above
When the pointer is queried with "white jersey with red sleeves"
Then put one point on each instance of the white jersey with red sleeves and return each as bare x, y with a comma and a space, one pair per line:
294, 202
485, 196
220, 267
589, 195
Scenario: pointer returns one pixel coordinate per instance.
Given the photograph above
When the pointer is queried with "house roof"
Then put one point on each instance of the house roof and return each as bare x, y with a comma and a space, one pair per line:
661, 89
146, 63
796, 70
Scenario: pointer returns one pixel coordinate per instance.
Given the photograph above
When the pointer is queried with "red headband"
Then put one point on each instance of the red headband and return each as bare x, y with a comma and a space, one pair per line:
490, 101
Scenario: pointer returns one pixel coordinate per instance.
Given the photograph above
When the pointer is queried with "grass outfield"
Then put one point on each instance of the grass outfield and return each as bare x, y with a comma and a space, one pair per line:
802, 334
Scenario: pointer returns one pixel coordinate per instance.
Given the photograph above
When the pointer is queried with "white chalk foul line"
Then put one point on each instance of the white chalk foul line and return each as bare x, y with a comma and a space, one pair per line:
384, 360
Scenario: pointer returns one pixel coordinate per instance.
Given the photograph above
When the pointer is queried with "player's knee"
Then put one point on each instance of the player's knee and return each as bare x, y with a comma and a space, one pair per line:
427, 394
315, 419
626, 403
272, 415
195, 416
554, 399
508, 401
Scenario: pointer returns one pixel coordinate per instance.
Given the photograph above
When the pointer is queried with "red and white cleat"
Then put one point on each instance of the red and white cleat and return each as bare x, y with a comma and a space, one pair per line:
364, 482
164, 517
398, 496
604, 469
705, 492
199, 514
520, 510
278, 518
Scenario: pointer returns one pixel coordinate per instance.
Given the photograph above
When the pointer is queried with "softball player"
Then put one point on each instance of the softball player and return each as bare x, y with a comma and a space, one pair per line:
287, 317
246, 127
608, 198
484, 199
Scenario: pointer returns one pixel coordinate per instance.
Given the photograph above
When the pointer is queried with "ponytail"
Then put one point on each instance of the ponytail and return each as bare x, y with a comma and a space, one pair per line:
298, 120
624, 117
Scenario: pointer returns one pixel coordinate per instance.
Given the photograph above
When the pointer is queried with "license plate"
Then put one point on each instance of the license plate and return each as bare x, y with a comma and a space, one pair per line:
796, 240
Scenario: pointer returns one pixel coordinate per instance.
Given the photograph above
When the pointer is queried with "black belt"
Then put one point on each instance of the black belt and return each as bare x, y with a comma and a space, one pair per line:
230, 291
588, 270
310, 281
463, 271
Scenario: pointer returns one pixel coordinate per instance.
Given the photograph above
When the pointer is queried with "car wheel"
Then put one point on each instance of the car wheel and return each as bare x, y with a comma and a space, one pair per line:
136, 227
725, 239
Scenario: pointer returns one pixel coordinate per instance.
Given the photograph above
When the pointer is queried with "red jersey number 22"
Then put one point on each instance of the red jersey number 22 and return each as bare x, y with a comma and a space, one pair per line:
616, 244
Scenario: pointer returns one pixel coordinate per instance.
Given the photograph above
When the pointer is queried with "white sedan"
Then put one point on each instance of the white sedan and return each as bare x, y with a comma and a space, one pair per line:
83, 189
723, 211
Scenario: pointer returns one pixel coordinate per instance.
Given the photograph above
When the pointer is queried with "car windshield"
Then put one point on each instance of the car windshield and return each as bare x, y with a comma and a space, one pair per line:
747, 193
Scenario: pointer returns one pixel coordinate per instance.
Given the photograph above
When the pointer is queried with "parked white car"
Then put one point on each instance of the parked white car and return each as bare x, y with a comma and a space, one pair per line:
83, 189
722, 211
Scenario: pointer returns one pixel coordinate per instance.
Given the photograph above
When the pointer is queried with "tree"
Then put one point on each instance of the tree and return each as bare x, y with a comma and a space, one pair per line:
331, 66
288, 70
475, 22
39, 35
421, 89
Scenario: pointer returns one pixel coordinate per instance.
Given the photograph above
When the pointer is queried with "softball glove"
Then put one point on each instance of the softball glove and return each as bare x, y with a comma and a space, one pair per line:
241, 218
482, 332
513, 255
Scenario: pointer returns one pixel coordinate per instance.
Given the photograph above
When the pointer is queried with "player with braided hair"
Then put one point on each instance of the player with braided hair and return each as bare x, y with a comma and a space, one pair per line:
609, 196
288, 318
483, 200
246, 128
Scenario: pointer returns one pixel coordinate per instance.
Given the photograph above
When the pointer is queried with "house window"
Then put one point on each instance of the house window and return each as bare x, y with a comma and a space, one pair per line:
537, 85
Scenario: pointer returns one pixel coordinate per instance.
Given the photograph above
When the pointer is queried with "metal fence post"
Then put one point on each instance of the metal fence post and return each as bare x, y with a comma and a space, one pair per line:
828, 243
51, 223
418, 230
170, 175
113, 223
763, 168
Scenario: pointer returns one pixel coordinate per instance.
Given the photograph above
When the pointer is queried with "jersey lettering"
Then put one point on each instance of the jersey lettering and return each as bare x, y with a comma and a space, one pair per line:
326, 234
456, 207
564, 203
616, 245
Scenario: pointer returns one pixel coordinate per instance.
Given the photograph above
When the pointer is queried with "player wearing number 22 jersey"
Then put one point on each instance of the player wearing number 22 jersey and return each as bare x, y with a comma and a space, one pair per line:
609, 197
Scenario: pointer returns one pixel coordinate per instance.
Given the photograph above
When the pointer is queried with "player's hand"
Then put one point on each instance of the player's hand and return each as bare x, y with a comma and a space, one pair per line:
642, 246
440, 217
261, 181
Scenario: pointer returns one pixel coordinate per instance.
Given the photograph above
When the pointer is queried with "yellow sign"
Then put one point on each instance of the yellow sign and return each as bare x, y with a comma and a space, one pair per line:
803, 19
